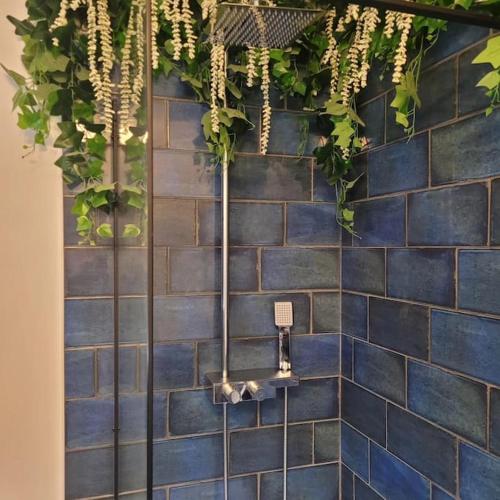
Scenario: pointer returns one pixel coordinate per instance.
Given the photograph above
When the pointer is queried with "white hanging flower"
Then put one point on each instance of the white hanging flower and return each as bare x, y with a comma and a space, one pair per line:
266, 106
251, 66
404, 23
390, 22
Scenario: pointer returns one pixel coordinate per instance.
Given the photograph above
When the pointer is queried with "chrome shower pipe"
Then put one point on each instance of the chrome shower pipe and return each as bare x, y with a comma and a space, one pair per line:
285, 443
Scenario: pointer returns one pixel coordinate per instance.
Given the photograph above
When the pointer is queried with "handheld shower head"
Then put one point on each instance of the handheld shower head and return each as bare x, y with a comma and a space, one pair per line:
283, 314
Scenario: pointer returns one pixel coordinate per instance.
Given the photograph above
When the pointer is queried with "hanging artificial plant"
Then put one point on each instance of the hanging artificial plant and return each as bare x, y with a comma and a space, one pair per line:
85, 63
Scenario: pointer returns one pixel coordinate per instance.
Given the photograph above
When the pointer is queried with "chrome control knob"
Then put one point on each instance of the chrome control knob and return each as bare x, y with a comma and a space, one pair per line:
256, 390
231, 394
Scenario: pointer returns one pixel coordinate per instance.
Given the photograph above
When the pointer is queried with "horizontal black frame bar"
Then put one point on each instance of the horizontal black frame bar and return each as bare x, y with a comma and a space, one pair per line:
447, 14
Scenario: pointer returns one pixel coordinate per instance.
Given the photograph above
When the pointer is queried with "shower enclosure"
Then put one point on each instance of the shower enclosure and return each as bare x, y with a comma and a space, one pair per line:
395, 336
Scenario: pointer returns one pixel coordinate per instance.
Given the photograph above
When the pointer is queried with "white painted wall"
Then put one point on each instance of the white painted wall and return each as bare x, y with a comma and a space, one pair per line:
31, 302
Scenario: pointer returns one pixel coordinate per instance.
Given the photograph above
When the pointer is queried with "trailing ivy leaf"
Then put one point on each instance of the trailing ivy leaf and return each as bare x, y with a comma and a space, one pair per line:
83, 224
129, 188
99, 188
22, 27
490, 80
80, 207
98, 199
19, 79
97, 146
131, 231
105, 231
233, 89
491, 54
136, 200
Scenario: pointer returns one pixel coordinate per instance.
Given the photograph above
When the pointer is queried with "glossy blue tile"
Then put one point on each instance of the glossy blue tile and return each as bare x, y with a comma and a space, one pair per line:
300, 268
311, 400
318, 483
470, 97
187, 459
394, 479
88, 322
172, 86
479, 474
425, 275
479, 159
380, 222
364, 411
347, 353
270, 178
373, 115
468, 344
401, 166
478, 278
253, 315
495, 420
183, 318
88, 271
174, 222
173, 366
347, 481
133, 319
316, 355
439, 494
199, 269
79, 373
354, 451
358, 173
242, 488
250, 223
495, 212
326, 441
452, 216
326, 312
354, 311
128, 369
249, 140
455, 403
363, 270
184, 174
381, 371
188, 132
262, 449
160, 123
299, 127
399, 326
312, 224
425, 447
363, 491
245, 354
322, 191
193, 412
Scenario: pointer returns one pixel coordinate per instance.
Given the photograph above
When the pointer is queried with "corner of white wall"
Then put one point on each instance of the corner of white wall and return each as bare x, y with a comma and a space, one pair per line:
31, 302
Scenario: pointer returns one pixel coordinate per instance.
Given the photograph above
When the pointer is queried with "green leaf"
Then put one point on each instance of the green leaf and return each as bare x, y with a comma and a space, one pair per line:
96, 146
300, 87
99, 188
83, 224
136, 201
105, 231
490, 80
491, 54
131, 231
99, 200
19, 79
233, 89
80, 207
402, 119
22, 27
130, 188
348, 215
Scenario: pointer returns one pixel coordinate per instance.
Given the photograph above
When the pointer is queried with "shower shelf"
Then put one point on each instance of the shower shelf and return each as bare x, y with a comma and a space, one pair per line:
254, 384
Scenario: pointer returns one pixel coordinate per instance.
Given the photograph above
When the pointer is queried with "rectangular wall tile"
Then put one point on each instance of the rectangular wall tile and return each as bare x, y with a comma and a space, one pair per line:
363, 270
358, 173
300, 268
347, 480
174, 222
495, 212
354, 451
380, 222
451, 216
172, 86
373, 115
128, 369
312, 224
262, 449
479, 473
253, 315
363, 411
270, 178
79, 375
316, 355
250, 223
439, 494
354, 315
401, 166
425, 447
320, 483
399, 326
193, 412
363, 491
326, 441
421, 275
347, 354
495, 420
381, 371
455, 403
468, 344
188, 459
478, 278
173, 366
394, 479
243, 488
479, 159
187, 132
182, 318
311, 400
184, 174
326, 312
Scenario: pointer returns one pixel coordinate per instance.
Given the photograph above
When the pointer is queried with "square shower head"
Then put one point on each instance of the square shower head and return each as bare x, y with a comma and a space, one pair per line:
241, 25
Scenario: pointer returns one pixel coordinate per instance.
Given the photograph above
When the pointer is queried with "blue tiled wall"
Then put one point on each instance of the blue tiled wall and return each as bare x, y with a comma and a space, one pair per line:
285, 247
420, 352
